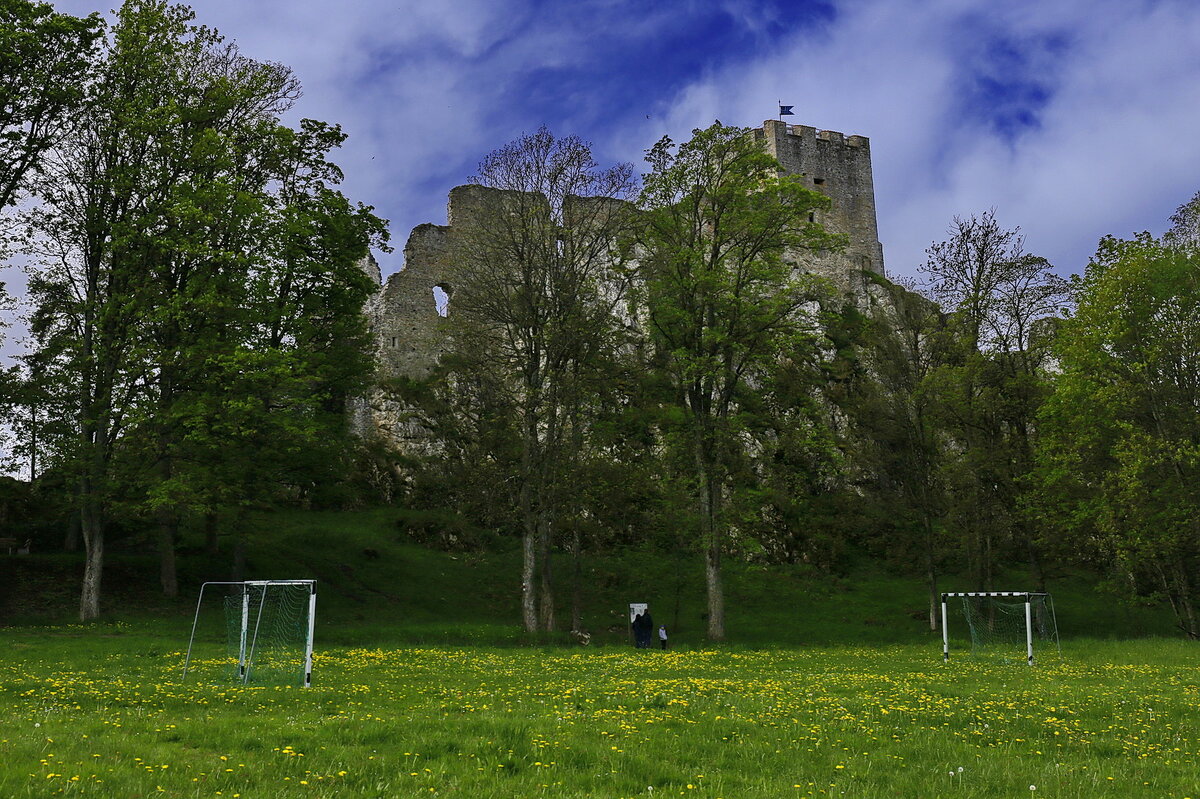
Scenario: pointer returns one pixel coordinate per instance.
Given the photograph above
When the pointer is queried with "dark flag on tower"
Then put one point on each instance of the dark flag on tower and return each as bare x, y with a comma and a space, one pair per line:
786, 111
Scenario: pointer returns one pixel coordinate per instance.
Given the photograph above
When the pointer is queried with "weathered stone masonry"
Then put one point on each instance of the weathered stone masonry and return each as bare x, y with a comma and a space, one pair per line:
840, 168
405, 321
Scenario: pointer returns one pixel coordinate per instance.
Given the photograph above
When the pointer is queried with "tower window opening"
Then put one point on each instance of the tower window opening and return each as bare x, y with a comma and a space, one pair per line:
819, 181
812, 216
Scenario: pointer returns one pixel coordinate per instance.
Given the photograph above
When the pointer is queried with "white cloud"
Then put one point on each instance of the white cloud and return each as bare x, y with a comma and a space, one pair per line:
426, 88
1115, 150
414, 84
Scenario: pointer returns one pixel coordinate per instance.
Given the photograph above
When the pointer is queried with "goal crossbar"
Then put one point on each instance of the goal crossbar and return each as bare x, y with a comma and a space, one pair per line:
995, 593
1027, 596
247, 644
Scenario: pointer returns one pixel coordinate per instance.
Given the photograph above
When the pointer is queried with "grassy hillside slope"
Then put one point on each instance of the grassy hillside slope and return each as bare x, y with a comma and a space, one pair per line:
376, 586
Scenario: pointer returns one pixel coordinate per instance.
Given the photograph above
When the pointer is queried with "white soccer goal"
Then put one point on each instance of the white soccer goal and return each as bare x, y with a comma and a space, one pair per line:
1000, 621
269, 628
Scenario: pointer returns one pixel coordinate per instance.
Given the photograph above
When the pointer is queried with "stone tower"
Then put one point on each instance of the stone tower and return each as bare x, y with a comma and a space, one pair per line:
839, 167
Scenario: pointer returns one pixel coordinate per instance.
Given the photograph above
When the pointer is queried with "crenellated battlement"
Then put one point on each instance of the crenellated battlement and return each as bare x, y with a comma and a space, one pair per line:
832, 136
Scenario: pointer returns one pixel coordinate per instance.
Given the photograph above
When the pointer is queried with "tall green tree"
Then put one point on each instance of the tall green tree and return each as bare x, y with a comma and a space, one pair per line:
1119, 459
895, 440
213, 152
117, 211
538, 299
44, 61
991, 381
725, 298
270, 418
175, 195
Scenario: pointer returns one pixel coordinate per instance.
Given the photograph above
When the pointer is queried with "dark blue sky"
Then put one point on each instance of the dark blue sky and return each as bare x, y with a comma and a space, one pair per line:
1073, 118
624, 71
619, 64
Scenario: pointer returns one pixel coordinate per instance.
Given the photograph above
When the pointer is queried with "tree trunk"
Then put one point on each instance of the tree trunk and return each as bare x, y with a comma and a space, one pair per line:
710, 536
1189, 612
545, 539
529, 617
716, 597
935, 599
92, 527
91, 519
33, 442
529, 548
89, 602
168, 516
1186, 607
530, 542
576, 580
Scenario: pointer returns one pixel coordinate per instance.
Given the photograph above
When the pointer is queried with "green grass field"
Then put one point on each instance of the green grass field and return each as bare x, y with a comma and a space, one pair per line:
832, 685
101, 712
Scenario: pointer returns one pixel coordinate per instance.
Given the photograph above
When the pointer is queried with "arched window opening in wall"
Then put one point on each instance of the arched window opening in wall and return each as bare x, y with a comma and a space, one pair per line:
441, 299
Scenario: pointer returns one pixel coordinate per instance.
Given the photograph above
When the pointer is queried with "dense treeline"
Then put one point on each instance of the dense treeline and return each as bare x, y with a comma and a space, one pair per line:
688, 388
196, 299
631, 362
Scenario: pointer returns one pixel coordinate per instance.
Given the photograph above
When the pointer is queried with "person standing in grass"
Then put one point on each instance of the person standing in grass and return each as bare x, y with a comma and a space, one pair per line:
662, 637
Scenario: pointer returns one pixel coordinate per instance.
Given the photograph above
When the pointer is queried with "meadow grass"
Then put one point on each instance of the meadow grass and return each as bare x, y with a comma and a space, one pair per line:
100, 711
833, 685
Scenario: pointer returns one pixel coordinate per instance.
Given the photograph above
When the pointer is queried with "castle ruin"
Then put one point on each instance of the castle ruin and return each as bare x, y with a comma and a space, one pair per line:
406, 319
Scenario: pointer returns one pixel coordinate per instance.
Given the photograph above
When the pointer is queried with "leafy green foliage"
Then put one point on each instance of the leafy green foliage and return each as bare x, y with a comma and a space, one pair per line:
720, 229
197, 288
1118, 466
45, 58
988, 384
539, 286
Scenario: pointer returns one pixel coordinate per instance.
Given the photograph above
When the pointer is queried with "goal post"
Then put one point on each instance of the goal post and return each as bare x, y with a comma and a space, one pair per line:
269, 628
1001, 621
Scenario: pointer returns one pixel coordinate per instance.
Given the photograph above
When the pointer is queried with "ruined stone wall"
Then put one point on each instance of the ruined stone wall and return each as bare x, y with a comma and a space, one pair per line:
406, 323
410, 335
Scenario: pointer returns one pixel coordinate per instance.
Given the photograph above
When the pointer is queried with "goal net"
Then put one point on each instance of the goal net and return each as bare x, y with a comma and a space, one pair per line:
1003, 624
268, 628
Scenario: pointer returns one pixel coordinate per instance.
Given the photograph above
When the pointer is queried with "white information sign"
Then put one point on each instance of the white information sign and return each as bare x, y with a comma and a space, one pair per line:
636, 609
